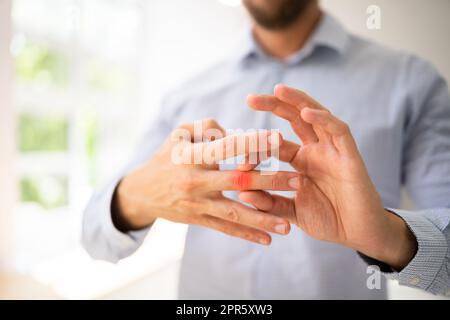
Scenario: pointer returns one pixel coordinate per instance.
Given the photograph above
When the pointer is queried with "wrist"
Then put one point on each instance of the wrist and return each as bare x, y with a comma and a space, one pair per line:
126, 211
396, 245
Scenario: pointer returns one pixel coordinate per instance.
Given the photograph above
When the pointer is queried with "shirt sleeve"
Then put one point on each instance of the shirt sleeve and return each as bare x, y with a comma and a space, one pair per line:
426, 178
101, 239
429, 270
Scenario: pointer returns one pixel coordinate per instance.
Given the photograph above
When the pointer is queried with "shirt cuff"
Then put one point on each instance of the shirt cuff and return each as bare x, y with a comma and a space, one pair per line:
123, 243
430, 256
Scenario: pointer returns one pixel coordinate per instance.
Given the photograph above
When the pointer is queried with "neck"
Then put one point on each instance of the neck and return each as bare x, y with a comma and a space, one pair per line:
280, 44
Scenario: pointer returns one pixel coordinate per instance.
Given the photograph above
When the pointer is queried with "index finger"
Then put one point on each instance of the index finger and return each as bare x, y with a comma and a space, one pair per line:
231, 146
286, 111
287, 153
296, 98
249, 180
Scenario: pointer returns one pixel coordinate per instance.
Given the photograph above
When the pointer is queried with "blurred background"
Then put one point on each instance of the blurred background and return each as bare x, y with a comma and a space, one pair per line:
79, 82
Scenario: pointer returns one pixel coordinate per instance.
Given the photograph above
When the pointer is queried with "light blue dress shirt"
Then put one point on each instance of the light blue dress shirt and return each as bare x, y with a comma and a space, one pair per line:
398, 109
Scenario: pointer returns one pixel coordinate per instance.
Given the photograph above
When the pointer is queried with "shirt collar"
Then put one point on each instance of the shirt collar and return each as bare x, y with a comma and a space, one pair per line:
329, 34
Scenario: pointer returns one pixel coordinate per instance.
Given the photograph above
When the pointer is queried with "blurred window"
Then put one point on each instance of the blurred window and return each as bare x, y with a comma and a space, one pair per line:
76, 76
89, 75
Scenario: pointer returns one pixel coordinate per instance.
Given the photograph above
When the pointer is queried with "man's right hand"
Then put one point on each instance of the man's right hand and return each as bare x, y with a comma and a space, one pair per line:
192, 193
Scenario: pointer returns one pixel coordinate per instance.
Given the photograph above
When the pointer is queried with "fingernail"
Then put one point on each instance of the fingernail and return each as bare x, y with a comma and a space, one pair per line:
264, 241
277, 87
281, 228
294, 183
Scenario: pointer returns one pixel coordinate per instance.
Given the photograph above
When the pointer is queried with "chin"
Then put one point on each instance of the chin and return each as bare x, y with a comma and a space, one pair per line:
276, 14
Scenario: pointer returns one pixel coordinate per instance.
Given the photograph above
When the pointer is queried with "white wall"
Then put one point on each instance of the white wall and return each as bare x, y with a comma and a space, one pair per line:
418, 26
183, 38
7, 145
186, 36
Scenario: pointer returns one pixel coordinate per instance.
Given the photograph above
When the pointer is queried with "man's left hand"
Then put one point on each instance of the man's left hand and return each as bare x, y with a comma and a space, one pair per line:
336, 200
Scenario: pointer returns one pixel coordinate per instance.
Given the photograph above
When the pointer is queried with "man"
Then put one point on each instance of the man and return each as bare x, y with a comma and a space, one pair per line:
398, 110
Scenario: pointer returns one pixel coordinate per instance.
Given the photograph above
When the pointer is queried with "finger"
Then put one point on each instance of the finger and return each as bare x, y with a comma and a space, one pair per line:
301, 100
339, 130
262, 200
236, 212
249, 165
198, 131
231, 146
270, 203
235, 229
286, 111
322, 135
210, 123
273, 104
295, 97
253, 160
287, 153
215, 180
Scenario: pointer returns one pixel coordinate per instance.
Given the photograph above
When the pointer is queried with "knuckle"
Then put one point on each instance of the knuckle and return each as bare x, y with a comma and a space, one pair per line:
276, 182
210, 122
303, 104
204, 220
262, 222
180, 133
241, 180
188, 205
229, 231
297, 119
344, 127
248, 236
191, 219
232, 214
188, 183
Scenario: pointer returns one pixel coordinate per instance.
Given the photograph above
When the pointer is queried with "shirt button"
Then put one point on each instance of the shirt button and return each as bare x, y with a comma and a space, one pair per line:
414, 281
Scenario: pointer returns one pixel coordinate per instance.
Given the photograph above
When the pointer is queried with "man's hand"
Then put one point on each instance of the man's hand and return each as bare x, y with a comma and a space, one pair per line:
336, 200
192, 193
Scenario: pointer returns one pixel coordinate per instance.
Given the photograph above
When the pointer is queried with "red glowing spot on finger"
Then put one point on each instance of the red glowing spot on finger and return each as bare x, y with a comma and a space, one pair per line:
241, 180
